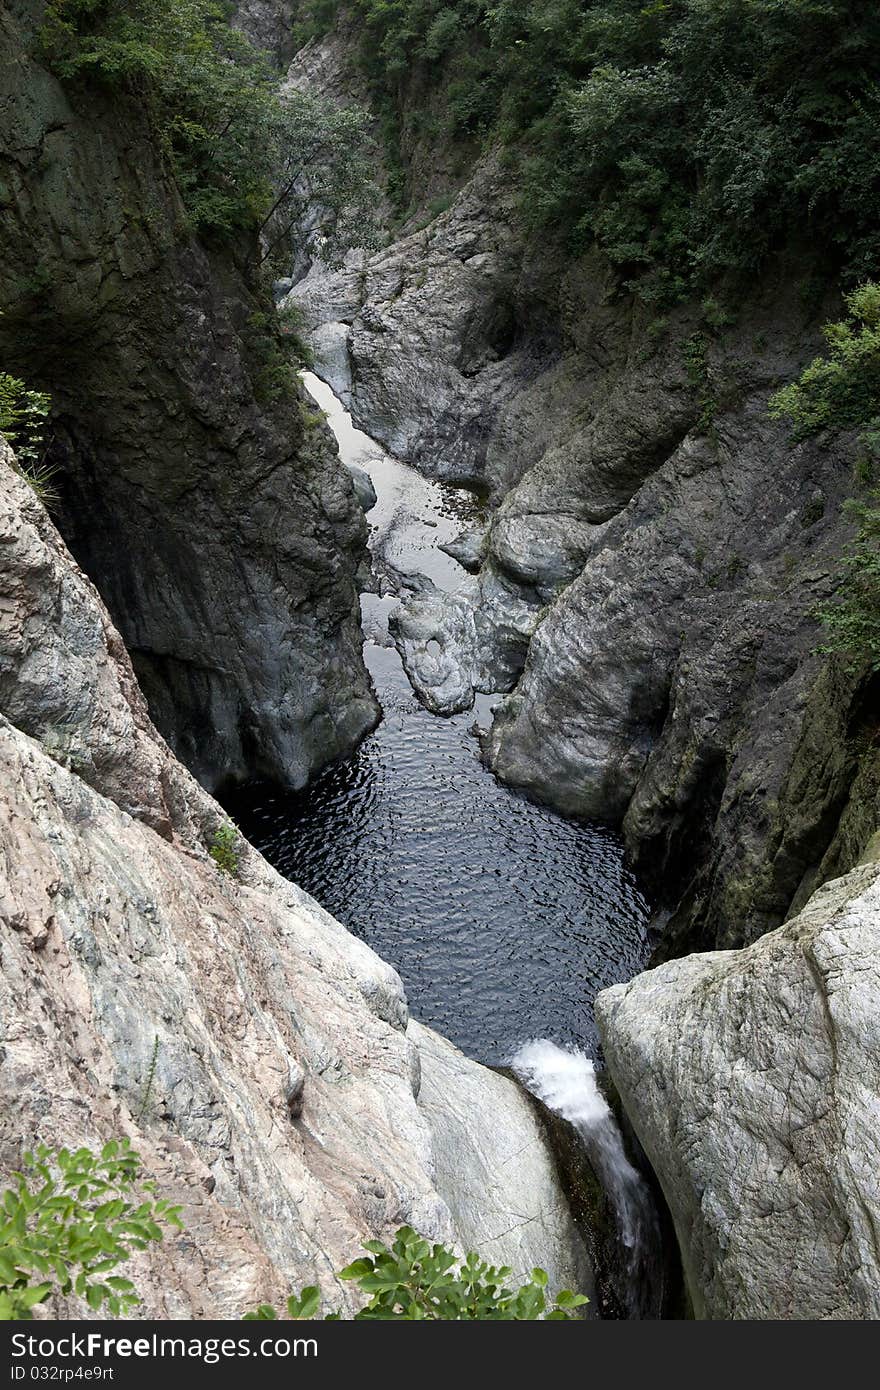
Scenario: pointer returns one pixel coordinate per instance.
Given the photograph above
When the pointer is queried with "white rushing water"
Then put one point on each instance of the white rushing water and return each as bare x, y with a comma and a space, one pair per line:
412, 519
565, 1080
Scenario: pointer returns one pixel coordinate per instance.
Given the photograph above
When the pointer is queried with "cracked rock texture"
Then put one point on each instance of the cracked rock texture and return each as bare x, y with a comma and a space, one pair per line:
268, 26
117, 929
752, 1080
218, 525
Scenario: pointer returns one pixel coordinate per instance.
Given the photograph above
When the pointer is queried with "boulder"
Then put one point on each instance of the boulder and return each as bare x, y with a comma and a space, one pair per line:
752, 1080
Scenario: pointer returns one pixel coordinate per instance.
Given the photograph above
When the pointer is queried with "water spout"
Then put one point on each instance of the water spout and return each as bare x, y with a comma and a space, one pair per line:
566, 1083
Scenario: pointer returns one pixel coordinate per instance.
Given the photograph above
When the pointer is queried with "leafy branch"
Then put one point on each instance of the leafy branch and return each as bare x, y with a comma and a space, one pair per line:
415, 1281
68, 1220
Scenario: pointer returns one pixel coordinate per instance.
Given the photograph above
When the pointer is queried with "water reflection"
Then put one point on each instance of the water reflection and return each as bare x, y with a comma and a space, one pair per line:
503, 918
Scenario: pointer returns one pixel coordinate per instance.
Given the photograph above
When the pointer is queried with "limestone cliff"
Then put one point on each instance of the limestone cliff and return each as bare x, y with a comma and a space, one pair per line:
119, 934
209, 510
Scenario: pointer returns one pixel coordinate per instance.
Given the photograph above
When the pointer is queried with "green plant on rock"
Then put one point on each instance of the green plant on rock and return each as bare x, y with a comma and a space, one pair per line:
224, 849
240, 155
842, 389
696, 360
692, 139
24, 419
414, 1280
147, 1091
68, 1220
853, 619
837, 392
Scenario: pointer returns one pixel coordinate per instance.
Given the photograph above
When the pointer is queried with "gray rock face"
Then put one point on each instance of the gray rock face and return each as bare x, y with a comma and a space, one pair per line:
363, 486
284, 1113
751, 1078
668, 542
430, 333
215, 520
454, 645
269, 25
469, 549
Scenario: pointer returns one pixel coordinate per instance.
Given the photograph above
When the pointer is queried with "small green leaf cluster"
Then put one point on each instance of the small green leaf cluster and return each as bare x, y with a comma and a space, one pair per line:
853, 620
224, 849
24, 419
696, 360
415, 1281
299, 1309
842, 389
66, 1223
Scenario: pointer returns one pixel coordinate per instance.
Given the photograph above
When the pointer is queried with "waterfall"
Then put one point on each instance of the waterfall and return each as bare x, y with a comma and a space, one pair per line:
566, 1083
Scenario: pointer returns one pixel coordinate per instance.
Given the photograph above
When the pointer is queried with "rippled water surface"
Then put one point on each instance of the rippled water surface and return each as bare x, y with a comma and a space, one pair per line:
503, 918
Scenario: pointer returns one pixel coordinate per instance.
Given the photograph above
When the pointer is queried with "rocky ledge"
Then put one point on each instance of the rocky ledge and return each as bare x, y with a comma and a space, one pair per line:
752, 1080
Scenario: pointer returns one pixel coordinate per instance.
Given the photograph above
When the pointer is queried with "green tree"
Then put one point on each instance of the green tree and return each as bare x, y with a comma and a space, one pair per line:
690, 138
238, 151
837, 392
24, 419
842, 389
68, 1220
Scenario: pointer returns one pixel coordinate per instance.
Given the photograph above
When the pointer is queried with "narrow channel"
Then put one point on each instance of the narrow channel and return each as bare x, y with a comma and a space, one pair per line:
503, 918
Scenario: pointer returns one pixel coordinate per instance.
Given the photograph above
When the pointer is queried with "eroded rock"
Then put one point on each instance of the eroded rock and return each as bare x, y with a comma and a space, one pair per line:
752, 1081
214, 518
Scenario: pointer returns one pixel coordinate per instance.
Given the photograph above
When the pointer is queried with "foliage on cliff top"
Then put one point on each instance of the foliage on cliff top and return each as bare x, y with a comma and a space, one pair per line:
68, 1220
836, 392
414, 1281
691, 138
241, 156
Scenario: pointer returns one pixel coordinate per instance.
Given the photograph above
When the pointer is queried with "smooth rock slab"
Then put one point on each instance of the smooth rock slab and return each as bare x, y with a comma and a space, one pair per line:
752, 1079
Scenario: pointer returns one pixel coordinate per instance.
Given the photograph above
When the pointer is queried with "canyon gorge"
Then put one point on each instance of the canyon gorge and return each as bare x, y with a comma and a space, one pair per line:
495, 635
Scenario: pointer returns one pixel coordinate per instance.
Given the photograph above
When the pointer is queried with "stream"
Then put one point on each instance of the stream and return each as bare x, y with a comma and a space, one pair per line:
503, 918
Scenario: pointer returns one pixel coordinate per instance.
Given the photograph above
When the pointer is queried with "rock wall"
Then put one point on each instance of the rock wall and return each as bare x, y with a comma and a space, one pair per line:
751, 1078
213, 517
268, 26
294, 1111
657, 553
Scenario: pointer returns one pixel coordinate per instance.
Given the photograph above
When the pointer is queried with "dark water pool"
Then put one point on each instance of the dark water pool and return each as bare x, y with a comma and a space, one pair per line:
503, 918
